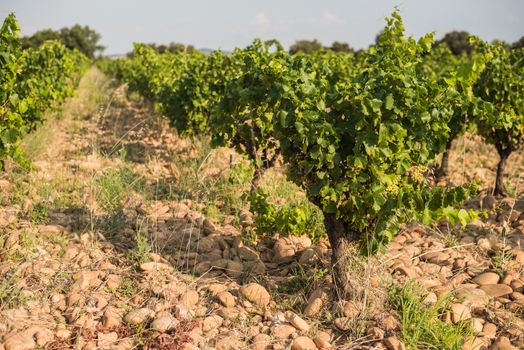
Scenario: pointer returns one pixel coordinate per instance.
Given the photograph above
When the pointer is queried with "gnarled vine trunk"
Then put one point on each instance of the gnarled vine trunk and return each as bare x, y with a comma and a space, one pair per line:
341, 237
500, 188
443, 170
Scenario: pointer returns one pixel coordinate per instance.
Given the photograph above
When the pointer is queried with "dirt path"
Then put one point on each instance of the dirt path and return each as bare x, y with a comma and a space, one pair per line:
117, 239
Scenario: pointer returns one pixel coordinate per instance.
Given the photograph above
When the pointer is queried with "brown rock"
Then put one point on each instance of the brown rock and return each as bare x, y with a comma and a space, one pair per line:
106, 341
489, 330
189, 299
111, 318
283, 331
460, 312
20, 341
138, 316
164, 324
255, 293
392, 343
227, 299
502, 343
212, 322
496, 290
343, 323
261, 342
247, 253
234, 268
303, 343
486, 278
296, 321
322, 340
155, 266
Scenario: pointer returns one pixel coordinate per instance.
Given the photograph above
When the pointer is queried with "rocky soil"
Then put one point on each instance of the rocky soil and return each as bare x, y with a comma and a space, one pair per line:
162, 275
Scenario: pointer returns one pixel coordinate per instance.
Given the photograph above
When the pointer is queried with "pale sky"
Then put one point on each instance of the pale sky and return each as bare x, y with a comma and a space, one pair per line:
234, 23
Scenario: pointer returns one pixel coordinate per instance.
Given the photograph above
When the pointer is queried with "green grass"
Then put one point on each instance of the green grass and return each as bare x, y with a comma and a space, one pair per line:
113, 186
10, 295
422, 326
140, 253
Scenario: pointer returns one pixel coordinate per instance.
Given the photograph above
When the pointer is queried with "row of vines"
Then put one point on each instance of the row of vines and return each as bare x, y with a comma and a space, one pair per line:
357, 133
31, 82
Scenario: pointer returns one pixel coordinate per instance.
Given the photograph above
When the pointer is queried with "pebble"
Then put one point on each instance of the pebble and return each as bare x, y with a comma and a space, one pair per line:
155, 266
322, 340
343, 323
212, 322
502, 343
496, 290
460, 312
20, 341
255, 293
486, 278
227, 299
296, 321
138, 316
189, 299
392, 343
164, 324
303, 343
261, 342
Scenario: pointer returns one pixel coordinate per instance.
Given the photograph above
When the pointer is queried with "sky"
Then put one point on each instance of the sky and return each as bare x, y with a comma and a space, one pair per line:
227, 24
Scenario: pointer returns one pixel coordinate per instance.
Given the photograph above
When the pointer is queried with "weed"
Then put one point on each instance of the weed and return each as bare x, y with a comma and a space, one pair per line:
422, 325
128, 287
10, 295
140, 253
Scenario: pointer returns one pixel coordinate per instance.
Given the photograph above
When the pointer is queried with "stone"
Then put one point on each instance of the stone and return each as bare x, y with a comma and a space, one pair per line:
488, 202
484, 244
375, 333
477, 324
155, 266
496, 290
389, 323
460, 312
212, 322
138, 316
296, 321
303, 343
227, 299
406, 271
20, 341
283, 331
43, 337
111, 318
315, 302
261, 342
189, 299
502, 343
234, 268
474, 343
476, 297
106, 341
322, 340
392, 343
489, 330
164, 324
343, 323
216, 288
486, 278
247, 253
256, 294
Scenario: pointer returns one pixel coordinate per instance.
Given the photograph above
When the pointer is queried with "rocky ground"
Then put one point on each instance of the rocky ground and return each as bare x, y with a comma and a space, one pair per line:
102, 247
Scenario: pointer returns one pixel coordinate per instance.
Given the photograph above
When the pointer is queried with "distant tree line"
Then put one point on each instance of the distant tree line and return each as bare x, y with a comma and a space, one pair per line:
457, 41
82, 38
171, 47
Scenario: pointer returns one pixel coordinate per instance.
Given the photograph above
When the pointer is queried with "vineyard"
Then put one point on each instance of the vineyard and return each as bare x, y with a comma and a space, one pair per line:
261, 199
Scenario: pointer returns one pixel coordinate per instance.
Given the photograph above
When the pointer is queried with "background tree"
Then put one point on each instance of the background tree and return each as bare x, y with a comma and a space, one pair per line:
338, 46
518, 44
82, 38
305, 46
458, 42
